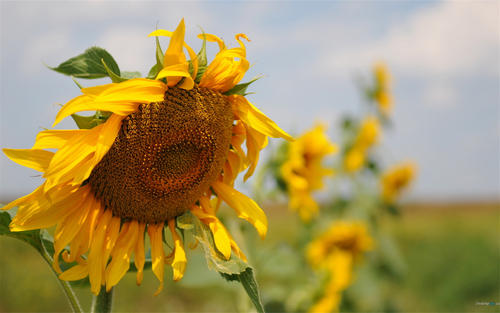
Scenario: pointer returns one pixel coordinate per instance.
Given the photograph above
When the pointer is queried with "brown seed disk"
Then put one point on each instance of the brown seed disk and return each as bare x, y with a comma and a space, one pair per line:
166, 155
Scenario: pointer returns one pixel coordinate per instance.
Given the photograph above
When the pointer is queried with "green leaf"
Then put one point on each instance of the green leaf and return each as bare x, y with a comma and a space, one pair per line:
241, 89
233, 269
4, 223
89, 64
247, 279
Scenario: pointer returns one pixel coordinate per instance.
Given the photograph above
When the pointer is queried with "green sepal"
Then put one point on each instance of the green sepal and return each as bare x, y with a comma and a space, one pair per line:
77, 83
202, 59
88, 122
153, 72
247, 280
89, 64
115, 78
241, 89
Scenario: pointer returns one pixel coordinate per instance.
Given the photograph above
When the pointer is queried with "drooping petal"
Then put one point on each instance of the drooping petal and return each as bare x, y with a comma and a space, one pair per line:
220, 233
140, 257
255, 119
245, 207
179, 260
255, 142
68, 229
155, 232
96, 257
36, 159
120, 262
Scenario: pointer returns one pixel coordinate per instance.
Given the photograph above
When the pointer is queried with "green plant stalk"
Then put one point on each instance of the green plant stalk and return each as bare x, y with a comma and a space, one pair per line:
103, 302
68, 291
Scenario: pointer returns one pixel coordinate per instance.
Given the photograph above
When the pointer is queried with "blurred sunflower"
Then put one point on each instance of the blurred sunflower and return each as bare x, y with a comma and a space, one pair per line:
303, 171
368, 135
396, 179
336, 251
382, 94
169, 145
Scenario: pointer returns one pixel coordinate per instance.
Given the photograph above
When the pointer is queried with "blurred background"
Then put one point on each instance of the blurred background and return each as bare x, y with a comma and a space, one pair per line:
445, 61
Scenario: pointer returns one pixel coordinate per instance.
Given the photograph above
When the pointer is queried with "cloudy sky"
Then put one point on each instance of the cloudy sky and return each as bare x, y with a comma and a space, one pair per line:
444, 57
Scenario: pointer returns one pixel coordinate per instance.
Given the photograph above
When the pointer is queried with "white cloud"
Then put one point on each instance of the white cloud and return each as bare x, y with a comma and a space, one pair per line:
130, 47
43, 48
440, 95
449, 38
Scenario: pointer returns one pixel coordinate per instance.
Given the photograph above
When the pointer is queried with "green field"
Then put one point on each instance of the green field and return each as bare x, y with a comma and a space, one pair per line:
452, 255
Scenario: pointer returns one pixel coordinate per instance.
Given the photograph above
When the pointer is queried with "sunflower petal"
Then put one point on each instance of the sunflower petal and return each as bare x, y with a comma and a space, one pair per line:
55, 139
36, 159
119, 98
157, 254
179, 261
77, 272
245, 207
255, 119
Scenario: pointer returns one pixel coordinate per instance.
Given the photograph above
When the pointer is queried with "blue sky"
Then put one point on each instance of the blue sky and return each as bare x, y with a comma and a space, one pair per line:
444, 57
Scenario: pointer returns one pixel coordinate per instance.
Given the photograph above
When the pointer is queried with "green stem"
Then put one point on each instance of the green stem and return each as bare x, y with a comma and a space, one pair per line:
68, 291
103, 302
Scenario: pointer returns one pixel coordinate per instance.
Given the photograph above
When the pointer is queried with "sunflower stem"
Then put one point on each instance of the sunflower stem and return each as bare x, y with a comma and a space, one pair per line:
103, 302
68, 291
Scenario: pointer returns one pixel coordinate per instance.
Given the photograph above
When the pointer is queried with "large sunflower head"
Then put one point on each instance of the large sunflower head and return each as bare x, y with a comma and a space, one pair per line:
303, 171
161, 146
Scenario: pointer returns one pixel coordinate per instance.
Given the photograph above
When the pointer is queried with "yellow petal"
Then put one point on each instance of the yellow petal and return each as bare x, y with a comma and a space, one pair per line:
255, 119
120, 98
36, 159
179, 262
255, 142
213, 38
220, 233
28, 198
46, 212
55, 139
122, 251
245, 207
140, 258
192, 54
68, 228
157, 254
77, 272
95, 257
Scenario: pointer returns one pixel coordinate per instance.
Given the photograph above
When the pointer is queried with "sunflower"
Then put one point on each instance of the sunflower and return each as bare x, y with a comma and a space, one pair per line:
382, 94
395, 180
168, 145
337, 251
303, 171
368, 135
